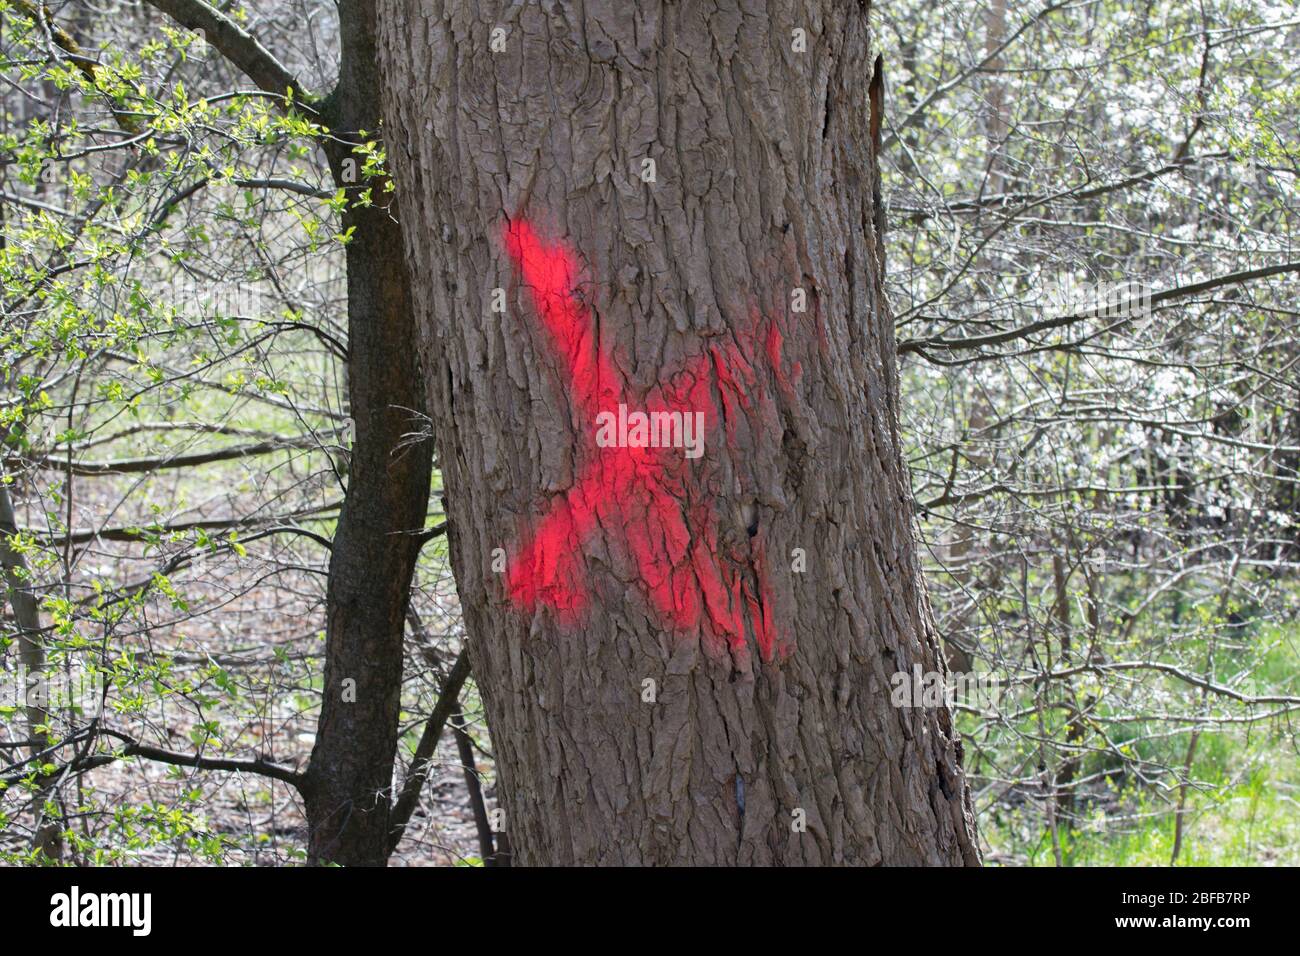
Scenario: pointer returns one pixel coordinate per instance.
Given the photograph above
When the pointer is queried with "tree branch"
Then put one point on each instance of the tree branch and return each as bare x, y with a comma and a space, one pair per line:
236, 44
465, 747
86, 65
1172, 671
133, 748
428, 534
1080, 193
126, 466
259, 765
1167, 295
448, 701
143, 531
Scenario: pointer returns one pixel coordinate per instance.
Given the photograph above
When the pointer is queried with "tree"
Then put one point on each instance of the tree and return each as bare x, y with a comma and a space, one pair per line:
347, 785
684, 658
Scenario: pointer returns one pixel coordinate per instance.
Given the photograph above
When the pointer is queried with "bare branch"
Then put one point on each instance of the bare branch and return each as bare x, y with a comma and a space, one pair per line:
1044, 325
126, 466
133, 748
448, 702
236, 44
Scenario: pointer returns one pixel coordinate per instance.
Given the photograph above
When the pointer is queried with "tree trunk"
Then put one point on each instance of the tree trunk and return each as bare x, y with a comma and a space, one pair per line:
349, 778
20, 593
377, 543
684, 660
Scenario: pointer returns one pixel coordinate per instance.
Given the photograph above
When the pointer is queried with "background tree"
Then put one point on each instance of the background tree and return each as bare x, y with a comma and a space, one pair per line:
160, 326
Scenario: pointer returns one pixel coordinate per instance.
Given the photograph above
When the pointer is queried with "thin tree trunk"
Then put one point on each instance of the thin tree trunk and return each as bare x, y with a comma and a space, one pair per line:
47, 837
1194, 739
469, 766
377, 543
349, 779
1074, 733
683, 659
997, 121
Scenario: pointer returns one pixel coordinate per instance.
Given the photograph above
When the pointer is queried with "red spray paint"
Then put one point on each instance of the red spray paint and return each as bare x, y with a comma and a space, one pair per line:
646, 495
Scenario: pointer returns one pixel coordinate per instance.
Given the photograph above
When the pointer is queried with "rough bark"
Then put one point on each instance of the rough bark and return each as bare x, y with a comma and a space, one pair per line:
522, 169
348, 786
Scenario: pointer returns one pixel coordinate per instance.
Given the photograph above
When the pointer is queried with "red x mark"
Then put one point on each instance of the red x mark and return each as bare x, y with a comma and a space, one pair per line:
649, 494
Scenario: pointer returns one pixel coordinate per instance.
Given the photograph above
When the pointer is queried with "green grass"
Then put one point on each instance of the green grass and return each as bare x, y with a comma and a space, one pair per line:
1243, 811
